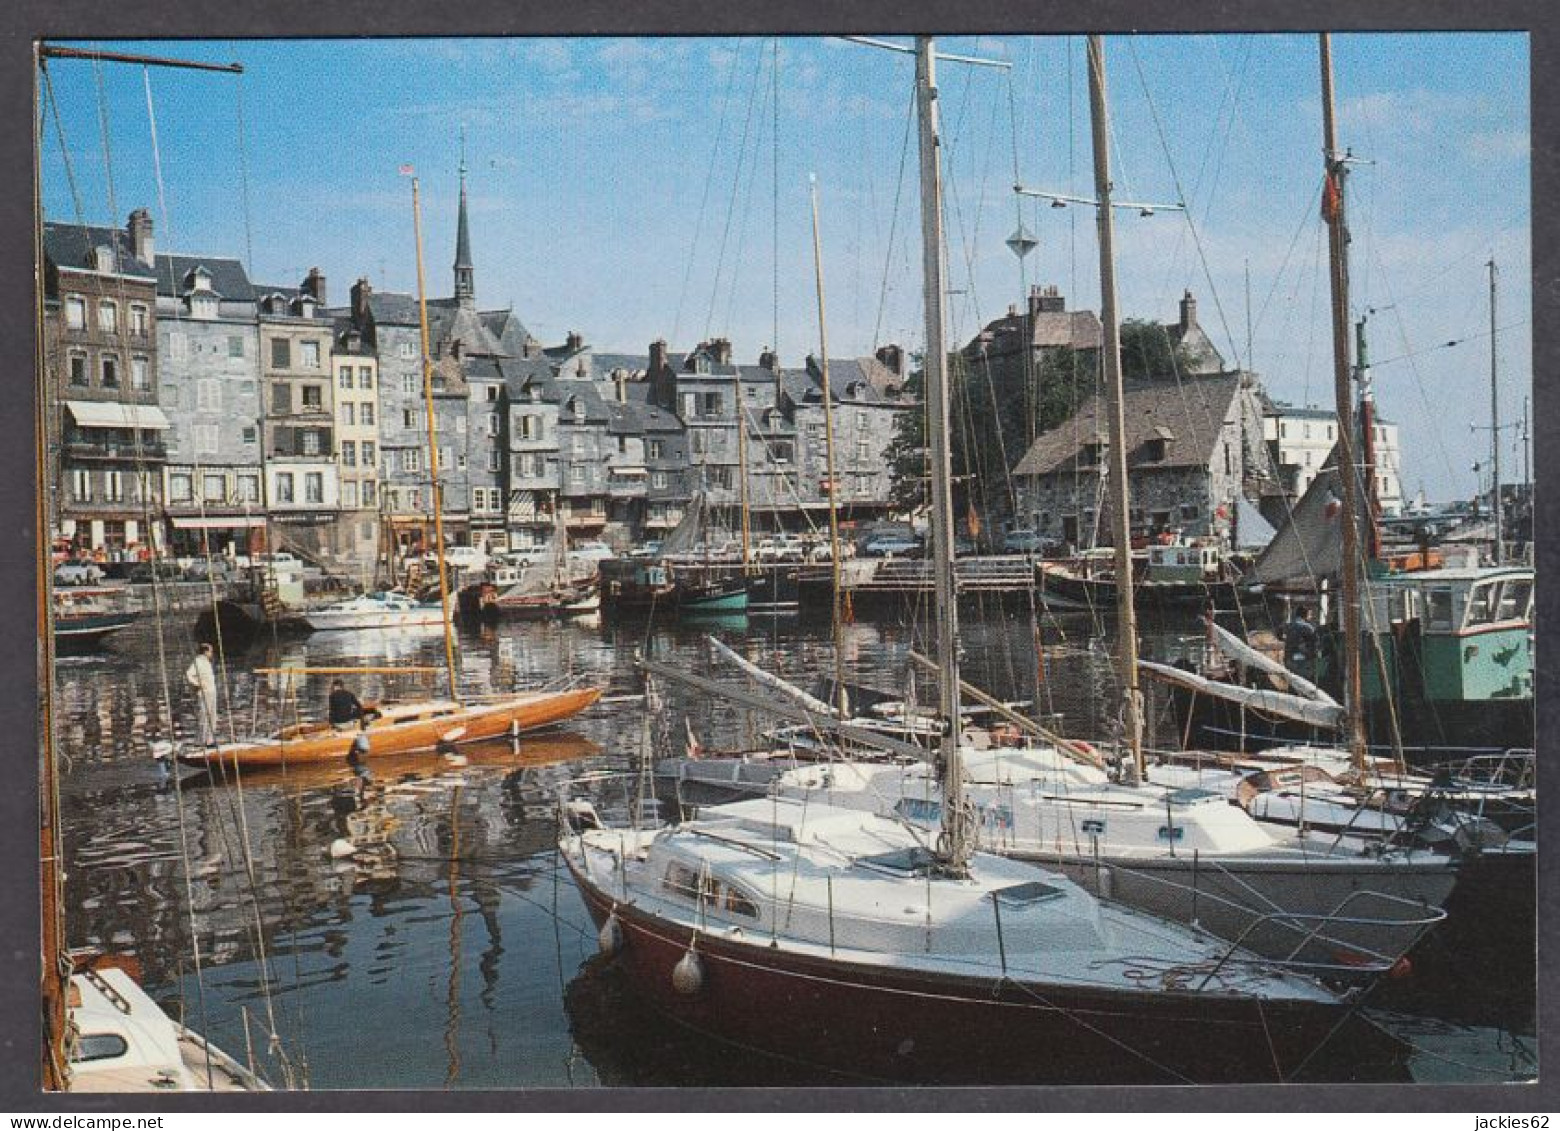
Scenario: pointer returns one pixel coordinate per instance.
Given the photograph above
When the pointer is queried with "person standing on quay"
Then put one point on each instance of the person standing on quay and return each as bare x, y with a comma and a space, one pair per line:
203, 679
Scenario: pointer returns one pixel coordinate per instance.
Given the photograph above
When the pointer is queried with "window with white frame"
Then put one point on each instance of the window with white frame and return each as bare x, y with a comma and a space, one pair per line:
75, 312
348, 453
369, 493
181, 486
365, 376
658, 479
349, 494
411, 460
235, 346
108, 316
140, 374
249, 488
407, 350
81, 485
313, 487
309, 355
140, 321
311, 441
114, 487
348, 413
208, 395
205, 438
493, 460
492, 424
213, 488
368, 453
366, 413
411, 384
344, 376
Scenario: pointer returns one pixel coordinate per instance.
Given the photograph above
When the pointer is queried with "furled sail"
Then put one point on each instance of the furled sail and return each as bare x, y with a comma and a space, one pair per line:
687, 533
1310, 711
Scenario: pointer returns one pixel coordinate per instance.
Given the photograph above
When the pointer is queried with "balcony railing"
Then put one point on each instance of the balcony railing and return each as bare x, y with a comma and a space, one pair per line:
120, 450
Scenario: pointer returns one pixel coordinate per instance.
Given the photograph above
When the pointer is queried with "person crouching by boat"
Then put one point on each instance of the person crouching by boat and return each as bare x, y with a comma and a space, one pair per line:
203, 680
1300, 643
345, 708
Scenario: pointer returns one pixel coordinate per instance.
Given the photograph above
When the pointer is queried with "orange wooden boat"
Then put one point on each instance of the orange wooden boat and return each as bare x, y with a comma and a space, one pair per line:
402, 728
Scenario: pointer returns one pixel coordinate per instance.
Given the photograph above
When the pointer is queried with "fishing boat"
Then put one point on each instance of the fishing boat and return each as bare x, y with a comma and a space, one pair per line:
1456, 647
1180, 573
536, 588
85, 618
384, 610
711, 594
840, 936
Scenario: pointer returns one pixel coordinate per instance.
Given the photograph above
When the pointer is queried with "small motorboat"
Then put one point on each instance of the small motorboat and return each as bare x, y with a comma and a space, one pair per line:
376, 610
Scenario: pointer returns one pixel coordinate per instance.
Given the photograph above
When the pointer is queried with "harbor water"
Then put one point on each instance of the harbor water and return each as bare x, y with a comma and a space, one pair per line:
448, 947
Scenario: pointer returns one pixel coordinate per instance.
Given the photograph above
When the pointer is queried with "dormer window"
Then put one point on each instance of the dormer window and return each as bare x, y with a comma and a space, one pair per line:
1092, 452
103, 259
1159, 443
203, 305
577, 406
198, 280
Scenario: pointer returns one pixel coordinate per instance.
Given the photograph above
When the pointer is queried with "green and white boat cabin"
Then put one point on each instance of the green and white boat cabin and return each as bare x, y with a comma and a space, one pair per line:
1453, 635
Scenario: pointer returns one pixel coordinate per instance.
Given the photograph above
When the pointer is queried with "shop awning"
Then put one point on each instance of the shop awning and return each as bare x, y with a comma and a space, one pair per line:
218, 522
110, 414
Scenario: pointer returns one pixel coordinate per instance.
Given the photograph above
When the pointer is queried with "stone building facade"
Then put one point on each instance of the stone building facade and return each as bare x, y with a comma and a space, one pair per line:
107, 443
356, 372
209, 387
302, 480
1192, 445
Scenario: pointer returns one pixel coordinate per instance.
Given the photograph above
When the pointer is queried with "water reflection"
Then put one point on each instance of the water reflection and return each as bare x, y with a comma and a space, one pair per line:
417, 932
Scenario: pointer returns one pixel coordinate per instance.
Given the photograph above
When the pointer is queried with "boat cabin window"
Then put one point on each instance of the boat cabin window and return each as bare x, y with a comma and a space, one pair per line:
1516, 597
99, 1046
1438, 610
682, 879
919, 810
1483, 602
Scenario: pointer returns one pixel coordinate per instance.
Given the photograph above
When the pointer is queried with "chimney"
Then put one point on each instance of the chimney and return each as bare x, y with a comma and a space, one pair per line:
769, 360
893, 357
574, 342
314, 284
141, 244
620, 379
657, 355
1188, 312
360, 292
1045, 300
721, 348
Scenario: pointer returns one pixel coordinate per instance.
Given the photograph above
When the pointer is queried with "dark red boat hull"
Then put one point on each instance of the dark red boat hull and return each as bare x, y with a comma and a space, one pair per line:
911, 1027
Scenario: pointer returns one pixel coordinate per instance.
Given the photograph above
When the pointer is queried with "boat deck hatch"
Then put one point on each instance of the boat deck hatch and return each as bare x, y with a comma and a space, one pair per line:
1029, 894
1193, 795
913, 861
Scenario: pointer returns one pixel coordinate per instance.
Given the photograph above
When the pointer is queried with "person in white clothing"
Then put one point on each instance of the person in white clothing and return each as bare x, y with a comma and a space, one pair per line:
203, 679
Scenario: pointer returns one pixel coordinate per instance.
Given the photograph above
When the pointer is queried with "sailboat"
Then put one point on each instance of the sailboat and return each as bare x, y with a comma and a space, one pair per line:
849, 939
401, 728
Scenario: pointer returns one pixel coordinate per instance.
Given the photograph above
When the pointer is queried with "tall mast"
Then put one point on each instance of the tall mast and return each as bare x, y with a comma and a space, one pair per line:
837, 627
953, 845
1371, 508
433, 445
1495, 499
1121, 533
1333, 206
742, 474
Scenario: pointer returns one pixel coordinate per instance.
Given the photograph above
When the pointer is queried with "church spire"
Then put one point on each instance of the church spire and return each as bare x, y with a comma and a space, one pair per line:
465, 275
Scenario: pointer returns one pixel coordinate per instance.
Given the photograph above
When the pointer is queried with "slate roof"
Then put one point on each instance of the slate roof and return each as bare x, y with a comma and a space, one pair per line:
1051, 329
1193, 410
507, 331
71, 245
228, 277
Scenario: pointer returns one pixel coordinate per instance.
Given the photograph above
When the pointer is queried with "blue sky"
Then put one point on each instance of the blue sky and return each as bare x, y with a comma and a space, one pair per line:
639, 188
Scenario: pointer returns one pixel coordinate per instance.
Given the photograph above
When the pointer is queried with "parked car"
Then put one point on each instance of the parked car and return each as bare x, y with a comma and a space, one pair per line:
145, 572
1026, 542
77, 573
592, 551
892, 546
216, 569
780, 548
650, 549
468, 558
